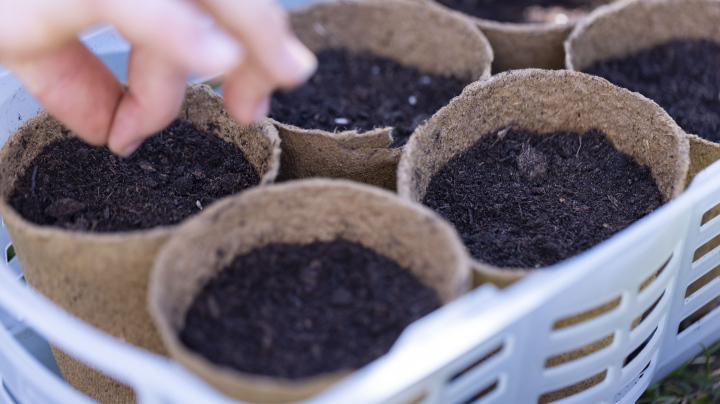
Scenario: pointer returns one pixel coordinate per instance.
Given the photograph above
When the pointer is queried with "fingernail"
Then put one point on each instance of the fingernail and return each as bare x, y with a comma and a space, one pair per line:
262, 109
299, 61
130, 149
221, 51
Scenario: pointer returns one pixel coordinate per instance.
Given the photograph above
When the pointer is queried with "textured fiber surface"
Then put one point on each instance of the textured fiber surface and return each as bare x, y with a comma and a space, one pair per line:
102, 278
395, 29
683, 76
626, 29
544, 102
299, 212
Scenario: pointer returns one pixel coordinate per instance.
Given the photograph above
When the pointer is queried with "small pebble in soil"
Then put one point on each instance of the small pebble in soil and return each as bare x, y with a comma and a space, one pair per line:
683, 77
527, 200
294, 311
363, 92
170, 177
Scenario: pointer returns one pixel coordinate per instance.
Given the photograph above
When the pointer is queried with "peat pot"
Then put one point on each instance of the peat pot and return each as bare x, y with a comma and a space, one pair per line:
544, 101
521, 45
102, 277
395, 29
297, 212
625, 29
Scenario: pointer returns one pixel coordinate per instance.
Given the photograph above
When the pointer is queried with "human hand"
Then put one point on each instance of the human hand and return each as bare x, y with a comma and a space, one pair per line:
38, 42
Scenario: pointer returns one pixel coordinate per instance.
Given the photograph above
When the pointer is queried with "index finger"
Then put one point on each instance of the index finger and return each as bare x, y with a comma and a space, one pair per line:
264, 29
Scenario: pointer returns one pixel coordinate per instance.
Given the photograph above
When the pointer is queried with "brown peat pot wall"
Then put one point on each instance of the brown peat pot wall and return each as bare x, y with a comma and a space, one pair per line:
544, 101
411, 33
521, 45
298, 212
625, 29
102, 277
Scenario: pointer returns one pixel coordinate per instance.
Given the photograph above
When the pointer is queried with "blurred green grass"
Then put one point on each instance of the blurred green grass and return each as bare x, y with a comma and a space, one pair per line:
697, 381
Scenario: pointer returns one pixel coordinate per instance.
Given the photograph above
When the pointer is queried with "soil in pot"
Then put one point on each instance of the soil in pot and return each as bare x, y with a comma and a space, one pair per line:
682, 76
364, 92
299, 310
525, 200
172, 176
526, 11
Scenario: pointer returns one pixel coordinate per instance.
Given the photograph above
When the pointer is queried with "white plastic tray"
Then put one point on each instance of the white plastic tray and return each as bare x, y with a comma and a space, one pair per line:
439, 359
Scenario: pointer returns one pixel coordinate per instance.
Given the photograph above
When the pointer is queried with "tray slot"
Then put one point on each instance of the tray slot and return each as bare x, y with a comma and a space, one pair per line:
478, 379
698, 314
573, 389
702, 281
652, 278
710, 214
580, 353
483, 393
706, 248
587, 315
477, 363
647, 313
634, 354
633, 384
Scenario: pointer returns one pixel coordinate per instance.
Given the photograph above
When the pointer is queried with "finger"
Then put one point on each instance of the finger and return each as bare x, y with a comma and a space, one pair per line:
31, 27
176, 29
263, 27
247, 92
75, 87
156, 92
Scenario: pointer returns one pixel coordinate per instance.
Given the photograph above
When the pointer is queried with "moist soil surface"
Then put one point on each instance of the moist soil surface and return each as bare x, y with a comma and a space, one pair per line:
526, 200
76, 186
364, 92
525, 11
683, 77
293, 311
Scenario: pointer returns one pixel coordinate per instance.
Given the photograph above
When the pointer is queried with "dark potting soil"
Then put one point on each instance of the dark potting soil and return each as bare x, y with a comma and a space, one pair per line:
519, 11
173, 174
364, 92
683, 77
293, 311
526, 200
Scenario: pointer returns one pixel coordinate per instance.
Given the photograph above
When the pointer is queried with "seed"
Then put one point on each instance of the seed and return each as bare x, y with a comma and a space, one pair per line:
412, 100
341, 121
